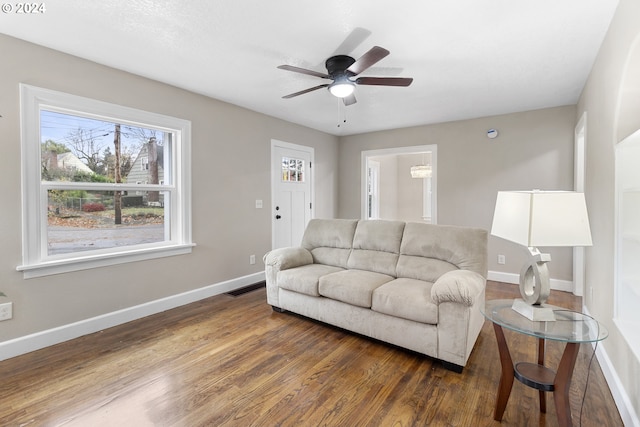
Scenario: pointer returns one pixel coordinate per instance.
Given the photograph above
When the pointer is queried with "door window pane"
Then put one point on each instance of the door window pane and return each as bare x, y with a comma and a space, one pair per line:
292, 170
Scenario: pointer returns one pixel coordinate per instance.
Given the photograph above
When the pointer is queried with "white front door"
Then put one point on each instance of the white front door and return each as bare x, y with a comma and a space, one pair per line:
291, 192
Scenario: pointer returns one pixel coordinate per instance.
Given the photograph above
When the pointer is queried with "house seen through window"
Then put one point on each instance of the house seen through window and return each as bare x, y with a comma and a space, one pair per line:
83, 150
101, 180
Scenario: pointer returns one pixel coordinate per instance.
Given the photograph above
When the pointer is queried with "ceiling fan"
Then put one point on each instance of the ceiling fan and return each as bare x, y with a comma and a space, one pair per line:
343, 69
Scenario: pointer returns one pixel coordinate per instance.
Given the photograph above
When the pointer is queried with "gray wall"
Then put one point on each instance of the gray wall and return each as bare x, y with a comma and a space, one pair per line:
611, 99
534, 150
226, 226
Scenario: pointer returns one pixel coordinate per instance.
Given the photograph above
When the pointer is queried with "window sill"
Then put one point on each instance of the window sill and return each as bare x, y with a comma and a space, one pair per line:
87, 262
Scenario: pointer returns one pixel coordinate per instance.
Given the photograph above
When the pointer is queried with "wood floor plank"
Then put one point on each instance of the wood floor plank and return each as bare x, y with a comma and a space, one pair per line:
232, 361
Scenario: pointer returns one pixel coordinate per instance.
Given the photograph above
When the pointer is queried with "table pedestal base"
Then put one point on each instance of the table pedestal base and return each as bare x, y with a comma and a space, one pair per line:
536, 376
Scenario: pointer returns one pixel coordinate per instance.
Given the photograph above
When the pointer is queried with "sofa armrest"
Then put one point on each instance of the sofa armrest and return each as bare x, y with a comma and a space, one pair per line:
459, 286
285, 258
282, 259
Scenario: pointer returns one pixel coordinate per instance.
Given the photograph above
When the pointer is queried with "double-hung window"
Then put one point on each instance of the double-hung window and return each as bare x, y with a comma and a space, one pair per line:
102, 184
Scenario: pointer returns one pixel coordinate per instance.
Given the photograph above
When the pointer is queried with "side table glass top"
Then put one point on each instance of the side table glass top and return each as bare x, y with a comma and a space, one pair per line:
569, 326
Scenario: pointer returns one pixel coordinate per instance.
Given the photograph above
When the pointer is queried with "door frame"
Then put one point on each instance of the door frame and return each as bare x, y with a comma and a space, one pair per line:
375, 166
275, 176
416, 149
579, 182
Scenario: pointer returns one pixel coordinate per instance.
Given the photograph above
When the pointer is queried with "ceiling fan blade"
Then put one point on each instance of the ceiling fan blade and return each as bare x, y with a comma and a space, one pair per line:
302, 92
303, 71
374, 55
349, 100
357, 36
384, 81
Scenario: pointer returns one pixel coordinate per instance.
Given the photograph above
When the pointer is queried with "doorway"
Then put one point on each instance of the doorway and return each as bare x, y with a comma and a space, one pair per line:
390, 192
291, 192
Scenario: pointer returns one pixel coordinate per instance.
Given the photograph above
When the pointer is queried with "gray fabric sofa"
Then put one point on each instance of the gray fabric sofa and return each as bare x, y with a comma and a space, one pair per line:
417, 286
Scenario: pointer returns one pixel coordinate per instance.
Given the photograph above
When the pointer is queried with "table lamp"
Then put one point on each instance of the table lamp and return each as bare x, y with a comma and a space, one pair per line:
534, 219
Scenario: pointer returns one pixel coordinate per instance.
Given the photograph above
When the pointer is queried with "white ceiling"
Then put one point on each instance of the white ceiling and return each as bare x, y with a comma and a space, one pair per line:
468, 58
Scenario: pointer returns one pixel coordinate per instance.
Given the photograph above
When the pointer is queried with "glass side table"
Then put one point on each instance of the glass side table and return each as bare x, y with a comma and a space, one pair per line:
570, 327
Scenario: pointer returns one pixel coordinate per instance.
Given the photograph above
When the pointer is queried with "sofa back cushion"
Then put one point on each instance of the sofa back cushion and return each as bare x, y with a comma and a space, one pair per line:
428, 251
329, 240
376, 246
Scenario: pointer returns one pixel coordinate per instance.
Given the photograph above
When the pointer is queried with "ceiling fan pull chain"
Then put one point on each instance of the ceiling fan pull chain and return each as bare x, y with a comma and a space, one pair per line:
342, 113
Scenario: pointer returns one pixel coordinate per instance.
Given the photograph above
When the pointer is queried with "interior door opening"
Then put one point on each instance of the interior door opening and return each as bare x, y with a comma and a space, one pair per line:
389, 191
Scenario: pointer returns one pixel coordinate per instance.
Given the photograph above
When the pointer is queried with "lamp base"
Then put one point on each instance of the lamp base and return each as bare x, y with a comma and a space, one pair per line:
535, 313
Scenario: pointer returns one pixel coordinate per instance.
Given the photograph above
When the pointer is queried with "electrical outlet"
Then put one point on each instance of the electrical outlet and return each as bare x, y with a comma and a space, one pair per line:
6, 311
252, 259
502, 259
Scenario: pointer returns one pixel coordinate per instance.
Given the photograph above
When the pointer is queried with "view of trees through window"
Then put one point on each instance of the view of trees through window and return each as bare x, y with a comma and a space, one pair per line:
100, 178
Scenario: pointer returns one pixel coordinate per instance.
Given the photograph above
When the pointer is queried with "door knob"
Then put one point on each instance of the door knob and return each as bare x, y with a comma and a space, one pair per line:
278, 217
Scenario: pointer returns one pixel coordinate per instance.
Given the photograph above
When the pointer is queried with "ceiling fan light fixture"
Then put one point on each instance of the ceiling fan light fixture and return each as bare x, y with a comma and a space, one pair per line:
342, 88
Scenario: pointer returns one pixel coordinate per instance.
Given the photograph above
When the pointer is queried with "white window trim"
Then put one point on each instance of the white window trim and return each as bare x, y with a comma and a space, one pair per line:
34, 200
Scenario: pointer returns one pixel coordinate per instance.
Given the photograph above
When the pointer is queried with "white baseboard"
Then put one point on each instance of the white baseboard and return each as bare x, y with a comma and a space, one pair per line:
29, 343
557, 284
620, 396
623, 402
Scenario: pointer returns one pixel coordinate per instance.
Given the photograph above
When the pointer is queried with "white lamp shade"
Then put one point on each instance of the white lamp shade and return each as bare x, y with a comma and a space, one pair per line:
542, 218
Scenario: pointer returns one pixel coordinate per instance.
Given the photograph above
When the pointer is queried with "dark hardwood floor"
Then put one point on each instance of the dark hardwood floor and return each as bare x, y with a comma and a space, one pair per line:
232, 361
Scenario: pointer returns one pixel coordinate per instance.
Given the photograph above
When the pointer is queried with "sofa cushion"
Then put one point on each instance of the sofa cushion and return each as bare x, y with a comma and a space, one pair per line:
333, 233
406, 298
420, 268
353, 287
329, 240
379, 235
376, 245
331, 256
304, 279
463, 247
